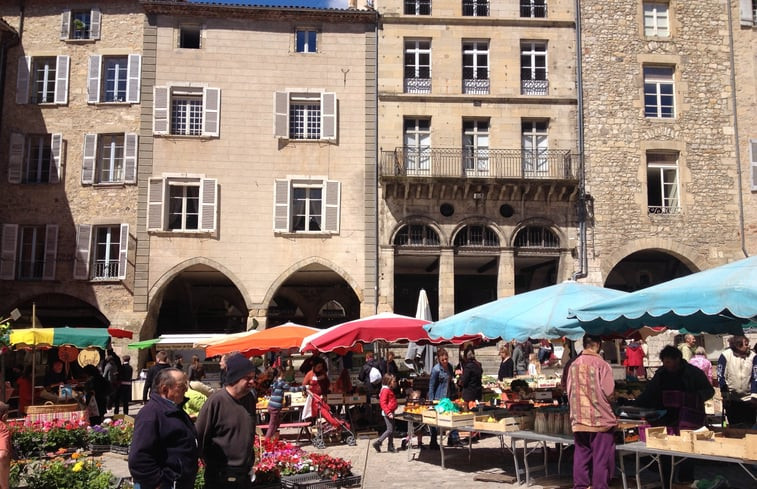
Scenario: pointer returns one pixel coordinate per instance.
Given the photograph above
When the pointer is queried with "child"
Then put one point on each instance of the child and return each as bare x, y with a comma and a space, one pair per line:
534, 367
388, 403
5, 448
276, 402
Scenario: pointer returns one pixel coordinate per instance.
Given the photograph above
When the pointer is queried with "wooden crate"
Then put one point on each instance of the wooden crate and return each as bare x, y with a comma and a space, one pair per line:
354, 399
429, 416
710, 443
454, 420
334, 399
503, 425
658, 437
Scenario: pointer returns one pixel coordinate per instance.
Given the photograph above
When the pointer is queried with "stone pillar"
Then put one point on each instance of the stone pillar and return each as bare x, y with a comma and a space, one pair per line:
446, 283
506, 274
385, 299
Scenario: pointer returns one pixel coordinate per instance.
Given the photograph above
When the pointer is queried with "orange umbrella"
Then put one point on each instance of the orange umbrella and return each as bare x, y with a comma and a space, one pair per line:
279, 338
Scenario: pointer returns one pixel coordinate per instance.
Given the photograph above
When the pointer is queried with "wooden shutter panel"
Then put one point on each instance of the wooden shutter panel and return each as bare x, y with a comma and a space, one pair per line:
160, 110
211, 111
95, 23
281, 114
83, 243
65, 24
56, 165
155, 198
328, 115
89, 160
61, 80
22, 79
131, 141
753, 159
281, 206
331, 208
208, 204
51, 252
16, 157
123, 251
8, 252
134, 75
93, 79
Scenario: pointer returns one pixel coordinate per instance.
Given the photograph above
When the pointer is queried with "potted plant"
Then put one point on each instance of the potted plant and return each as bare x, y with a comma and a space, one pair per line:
98, 438
73, 471
120, 433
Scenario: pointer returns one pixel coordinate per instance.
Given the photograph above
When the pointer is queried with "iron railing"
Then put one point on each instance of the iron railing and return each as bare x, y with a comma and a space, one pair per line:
417, 85
663, 209
105, 270
476, 86
534, 87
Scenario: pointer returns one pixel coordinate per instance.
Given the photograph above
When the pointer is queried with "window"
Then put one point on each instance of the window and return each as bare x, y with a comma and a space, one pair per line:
29, 252
109, 158
305, 116
534, 147
533, 68
35, 158
189, 36
476, 67
418, 66
656, 20
105, 259
417, 136
662, 183
114, 78
306, 206
533, 8
659, 101
42, 80
187, 111
417, 7
476, 236
753, 160
182, 204
305, 41
476, 8
476, 147
80, 24
536, 237
417, 235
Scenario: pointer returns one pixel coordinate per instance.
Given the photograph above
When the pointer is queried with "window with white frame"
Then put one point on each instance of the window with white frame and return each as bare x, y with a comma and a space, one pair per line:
190, 36
533, 8
305, 40
80, 25
29, 252
476, 146
182, 204
417, 66
114, 78
35, 158
101, 252
417, 145
187, 111
475, 8
417, 7
306, 206
533, 68
662, 183
476, 67
42, 80
656, 19
659, 95
109, 158
305, 115
534, 146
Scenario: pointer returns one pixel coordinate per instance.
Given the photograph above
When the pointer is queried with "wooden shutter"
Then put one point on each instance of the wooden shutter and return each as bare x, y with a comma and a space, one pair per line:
22, 79
65, 24
93, 79
83, 244
155, 197
123, 251
753, 160
51, 252
134, 74
160, 110
16, 157
8, 252
211, 111
89, 161
331, 208
61, 80
281, 114
328, 116
131, 141
95, 23
56, 149
208, 204
281, 206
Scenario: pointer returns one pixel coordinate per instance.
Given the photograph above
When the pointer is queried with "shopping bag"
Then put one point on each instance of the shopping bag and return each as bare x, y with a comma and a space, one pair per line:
307, 409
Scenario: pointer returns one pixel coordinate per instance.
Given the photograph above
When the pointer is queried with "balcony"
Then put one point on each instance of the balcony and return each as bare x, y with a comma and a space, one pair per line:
476, 86
417, 85
105, 270
534, 87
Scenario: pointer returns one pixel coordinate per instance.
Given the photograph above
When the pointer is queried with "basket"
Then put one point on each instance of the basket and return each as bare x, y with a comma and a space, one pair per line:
312, 480
50, 407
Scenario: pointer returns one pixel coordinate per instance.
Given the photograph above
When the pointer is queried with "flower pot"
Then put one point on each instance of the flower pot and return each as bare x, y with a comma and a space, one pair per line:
119, 449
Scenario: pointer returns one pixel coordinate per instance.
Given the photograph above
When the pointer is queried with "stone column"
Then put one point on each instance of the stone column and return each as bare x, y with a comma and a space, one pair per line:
506, 274
385, 299
446, 283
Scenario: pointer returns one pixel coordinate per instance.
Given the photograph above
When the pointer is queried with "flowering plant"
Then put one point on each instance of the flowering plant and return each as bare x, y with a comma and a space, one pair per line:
330, 467
277, 458
75, 472
98, 435
120, 433
30, 437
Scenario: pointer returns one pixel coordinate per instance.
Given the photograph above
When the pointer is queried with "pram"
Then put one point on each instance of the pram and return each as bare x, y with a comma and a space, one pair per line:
327, 426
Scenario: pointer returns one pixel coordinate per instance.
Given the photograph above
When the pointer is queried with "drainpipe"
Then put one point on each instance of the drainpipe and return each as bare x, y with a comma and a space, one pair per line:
377, 274
583, 259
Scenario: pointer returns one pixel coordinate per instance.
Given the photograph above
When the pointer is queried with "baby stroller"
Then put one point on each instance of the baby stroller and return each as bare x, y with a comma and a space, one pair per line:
327, 426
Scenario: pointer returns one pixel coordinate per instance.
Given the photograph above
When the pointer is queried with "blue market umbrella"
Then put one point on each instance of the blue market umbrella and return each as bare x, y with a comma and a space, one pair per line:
540, 313
719, 300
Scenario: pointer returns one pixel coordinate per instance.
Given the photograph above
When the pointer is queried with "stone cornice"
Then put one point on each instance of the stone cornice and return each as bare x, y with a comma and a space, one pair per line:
258, 12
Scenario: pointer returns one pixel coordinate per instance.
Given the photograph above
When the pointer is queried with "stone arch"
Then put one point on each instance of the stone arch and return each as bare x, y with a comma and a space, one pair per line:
478, 221
417, 219
686, 254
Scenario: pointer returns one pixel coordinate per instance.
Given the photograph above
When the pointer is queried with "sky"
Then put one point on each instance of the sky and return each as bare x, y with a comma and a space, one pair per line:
288, 3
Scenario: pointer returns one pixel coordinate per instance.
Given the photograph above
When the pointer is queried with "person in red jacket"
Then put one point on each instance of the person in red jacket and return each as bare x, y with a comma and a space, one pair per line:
634, 361
388, 403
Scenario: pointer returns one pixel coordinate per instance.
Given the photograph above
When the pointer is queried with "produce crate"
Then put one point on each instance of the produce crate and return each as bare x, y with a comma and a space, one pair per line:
503, 425
454, 420
334, 399
658, 437
429, 416
312, 480
354, 399
709, 443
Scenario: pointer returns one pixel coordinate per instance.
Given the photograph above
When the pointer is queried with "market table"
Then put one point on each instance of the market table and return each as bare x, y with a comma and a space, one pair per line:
541, 439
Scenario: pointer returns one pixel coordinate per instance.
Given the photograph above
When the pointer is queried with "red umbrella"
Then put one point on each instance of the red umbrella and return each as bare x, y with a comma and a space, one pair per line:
120, 333
387, 326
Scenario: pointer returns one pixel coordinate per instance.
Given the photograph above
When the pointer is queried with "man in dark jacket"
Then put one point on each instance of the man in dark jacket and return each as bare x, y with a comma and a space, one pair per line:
161, 362
164, 447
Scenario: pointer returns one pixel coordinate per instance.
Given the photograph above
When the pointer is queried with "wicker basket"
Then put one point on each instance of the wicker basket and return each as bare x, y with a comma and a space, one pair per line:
49, 407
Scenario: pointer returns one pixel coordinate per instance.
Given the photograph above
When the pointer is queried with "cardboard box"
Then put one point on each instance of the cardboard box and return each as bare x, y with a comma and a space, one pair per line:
455, 420
658, 437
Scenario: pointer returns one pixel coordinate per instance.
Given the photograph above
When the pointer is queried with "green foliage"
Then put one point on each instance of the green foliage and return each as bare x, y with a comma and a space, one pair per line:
200, 479
65, 437
76, 472
121, 433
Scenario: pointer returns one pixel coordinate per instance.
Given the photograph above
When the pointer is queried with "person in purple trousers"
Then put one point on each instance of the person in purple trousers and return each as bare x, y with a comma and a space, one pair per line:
590, 385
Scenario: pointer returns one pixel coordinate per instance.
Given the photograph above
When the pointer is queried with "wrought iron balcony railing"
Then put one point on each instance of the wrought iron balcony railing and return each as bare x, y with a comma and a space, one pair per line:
534, 87
105, 270
417, 85
476, 86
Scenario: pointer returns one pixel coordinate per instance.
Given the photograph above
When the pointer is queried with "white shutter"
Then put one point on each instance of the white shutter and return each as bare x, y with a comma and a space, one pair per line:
95, 23
89, 160
753, 160
211, 111
123, 251
208, 204
328, 115
160, 110
131, 141
134, 75
155, 195
8, 252
331, 207
281, 114
65, 24
51, 252
16, 157
22, 79
81, 259
93, 79
56, 165
61, 80
281, 206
